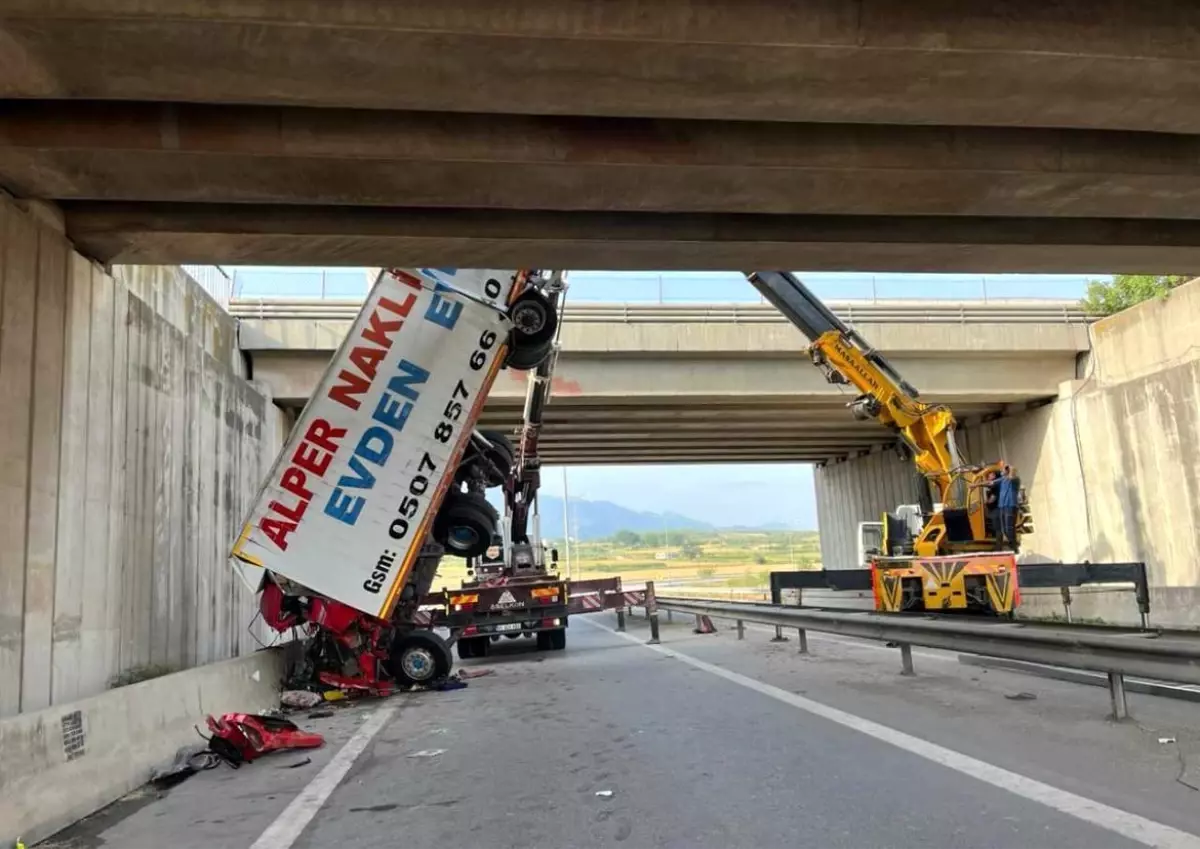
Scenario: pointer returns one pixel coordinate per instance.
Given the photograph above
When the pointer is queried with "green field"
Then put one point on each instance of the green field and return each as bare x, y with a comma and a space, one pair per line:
716, 559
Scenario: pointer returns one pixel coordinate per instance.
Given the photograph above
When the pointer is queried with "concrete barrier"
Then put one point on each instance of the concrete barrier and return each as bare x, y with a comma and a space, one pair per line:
62, 763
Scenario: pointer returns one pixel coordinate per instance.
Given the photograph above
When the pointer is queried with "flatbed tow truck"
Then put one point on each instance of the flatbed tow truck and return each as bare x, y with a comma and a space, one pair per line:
514, 589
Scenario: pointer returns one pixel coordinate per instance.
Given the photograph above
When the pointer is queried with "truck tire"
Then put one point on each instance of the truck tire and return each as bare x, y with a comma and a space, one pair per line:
419, 658
465, 524
524, 356
543, 641
466, 648
502, 454
534, 320
558, 639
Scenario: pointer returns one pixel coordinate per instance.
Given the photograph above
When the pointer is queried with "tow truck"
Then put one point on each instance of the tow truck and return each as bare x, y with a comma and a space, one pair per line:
513, 588
949, 558
383, 474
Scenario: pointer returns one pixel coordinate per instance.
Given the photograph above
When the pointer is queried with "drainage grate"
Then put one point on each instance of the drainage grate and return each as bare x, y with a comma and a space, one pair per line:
73, 737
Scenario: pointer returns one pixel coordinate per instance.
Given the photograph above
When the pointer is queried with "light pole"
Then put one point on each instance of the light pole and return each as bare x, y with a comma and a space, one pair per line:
566, 523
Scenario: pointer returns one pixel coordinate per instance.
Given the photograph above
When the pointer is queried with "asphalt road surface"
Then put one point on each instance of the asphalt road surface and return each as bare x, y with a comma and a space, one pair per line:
703, 742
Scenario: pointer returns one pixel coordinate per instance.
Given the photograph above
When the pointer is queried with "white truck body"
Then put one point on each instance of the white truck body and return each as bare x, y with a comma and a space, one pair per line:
350, 498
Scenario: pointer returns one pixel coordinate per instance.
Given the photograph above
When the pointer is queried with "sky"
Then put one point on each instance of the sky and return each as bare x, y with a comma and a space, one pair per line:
724, 495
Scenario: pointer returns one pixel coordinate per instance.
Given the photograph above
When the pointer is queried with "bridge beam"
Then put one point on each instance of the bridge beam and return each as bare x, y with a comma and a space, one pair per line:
194, 153
1080, 63
265, 234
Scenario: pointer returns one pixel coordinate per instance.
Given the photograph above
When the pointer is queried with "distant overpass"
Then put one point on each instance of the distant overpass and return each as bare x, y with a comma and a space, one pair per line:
714, 383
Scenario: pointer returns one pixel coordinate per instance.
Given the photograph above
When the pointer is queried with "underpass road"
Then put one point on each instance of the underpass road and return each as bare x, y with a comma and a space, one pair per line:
702, 750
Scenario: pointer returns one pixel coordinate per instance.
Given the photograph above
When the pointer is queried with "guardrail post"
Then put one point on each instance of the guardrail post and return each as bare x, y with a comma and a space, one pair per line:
669, 619
906, 664
620, 619
1066, 600
1116, 691
803, 640
741, 629
779, 637
652, 612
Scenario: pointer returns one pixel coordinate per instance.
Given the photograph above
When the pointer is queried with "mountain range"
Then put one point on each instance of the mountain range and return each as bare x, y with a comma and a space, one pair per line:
598, 519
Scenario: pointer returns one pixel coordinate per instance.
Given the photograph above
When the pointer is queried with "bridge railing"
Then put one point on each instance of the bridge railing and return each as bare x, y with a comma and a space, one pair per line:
893, 312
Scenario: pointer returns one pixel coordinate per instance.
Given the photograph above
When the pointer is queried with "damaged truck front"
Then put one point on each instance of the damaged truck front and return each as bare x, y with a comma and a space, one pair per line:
377, 481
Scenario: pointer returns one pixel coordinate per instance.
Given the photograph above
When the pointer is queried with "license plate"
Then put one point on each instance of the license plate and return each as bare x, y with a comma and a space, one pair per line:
515, 626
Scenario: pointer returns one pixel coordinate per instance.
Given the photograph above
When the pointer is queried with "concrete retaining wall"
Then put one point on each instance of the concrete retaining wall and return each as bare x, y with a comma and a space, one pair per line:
1112, 467
130, 444
64, 762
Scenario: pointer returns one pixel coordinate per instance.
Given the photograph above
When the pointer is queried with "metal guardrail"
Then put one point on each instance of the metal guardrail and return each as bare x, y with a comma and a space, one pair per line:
1138, 654
896, 312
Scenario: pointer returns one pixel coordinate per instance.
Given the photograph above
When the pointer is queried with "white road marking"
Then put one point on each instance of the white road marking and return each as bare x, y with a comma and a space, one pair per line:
282, 833
1132, 826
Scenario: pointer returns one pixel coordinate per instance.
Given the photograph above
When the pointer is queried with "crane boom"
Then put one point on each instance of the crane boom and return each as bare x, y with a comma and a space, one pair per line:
926, 430
846, 357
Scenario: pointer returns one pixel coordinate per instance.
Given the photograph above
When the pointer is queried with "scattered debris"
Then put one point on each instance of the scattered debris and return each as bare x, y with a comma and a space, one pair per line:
427, 753
300, 699
304, 762
334, 695
1166, 740
450, 684
188, 761
1020, 697
474, 673
320, 714
607, 794
240, 738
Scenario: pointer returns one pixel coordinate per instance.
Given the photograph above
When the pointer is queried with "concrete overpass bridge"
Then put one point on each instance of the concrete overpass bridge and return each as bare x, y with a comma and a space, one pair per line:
718, 383
697, 134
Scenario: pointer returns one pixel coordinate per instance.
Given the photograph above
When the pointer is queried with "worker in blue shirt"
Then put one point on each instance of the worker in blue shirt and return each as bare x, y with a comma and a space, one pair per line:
1008, 493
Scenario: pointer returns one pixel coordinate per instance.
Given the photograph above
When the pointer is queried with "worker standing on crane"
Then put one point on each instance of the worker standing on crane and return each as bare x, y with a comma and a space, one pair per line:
991, 502
1008, 498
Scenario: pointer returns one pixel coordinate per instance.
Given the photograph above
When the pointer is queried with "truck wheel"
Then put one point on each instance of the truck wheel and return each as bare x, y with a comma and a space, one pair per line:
524, 356
502, 454
466, 648
419, 657
558, 639
543, 641
533, 318
465, 524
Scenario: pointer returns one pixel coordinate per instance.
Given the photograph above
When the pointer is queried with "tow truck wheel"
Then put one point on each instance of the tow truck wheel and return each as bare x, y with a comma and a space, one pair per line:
524, 356
501, 454
465, 524
421, 658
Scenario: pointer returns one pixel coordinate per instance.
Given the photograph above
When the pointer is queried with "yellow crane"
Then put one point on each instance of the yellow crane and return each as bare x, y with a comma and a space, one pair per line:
955, 561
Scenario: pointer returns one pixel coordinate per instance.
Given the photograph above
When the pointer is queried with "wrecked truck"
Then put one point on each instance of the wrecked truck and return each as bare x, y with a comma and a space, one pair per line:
383, 473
